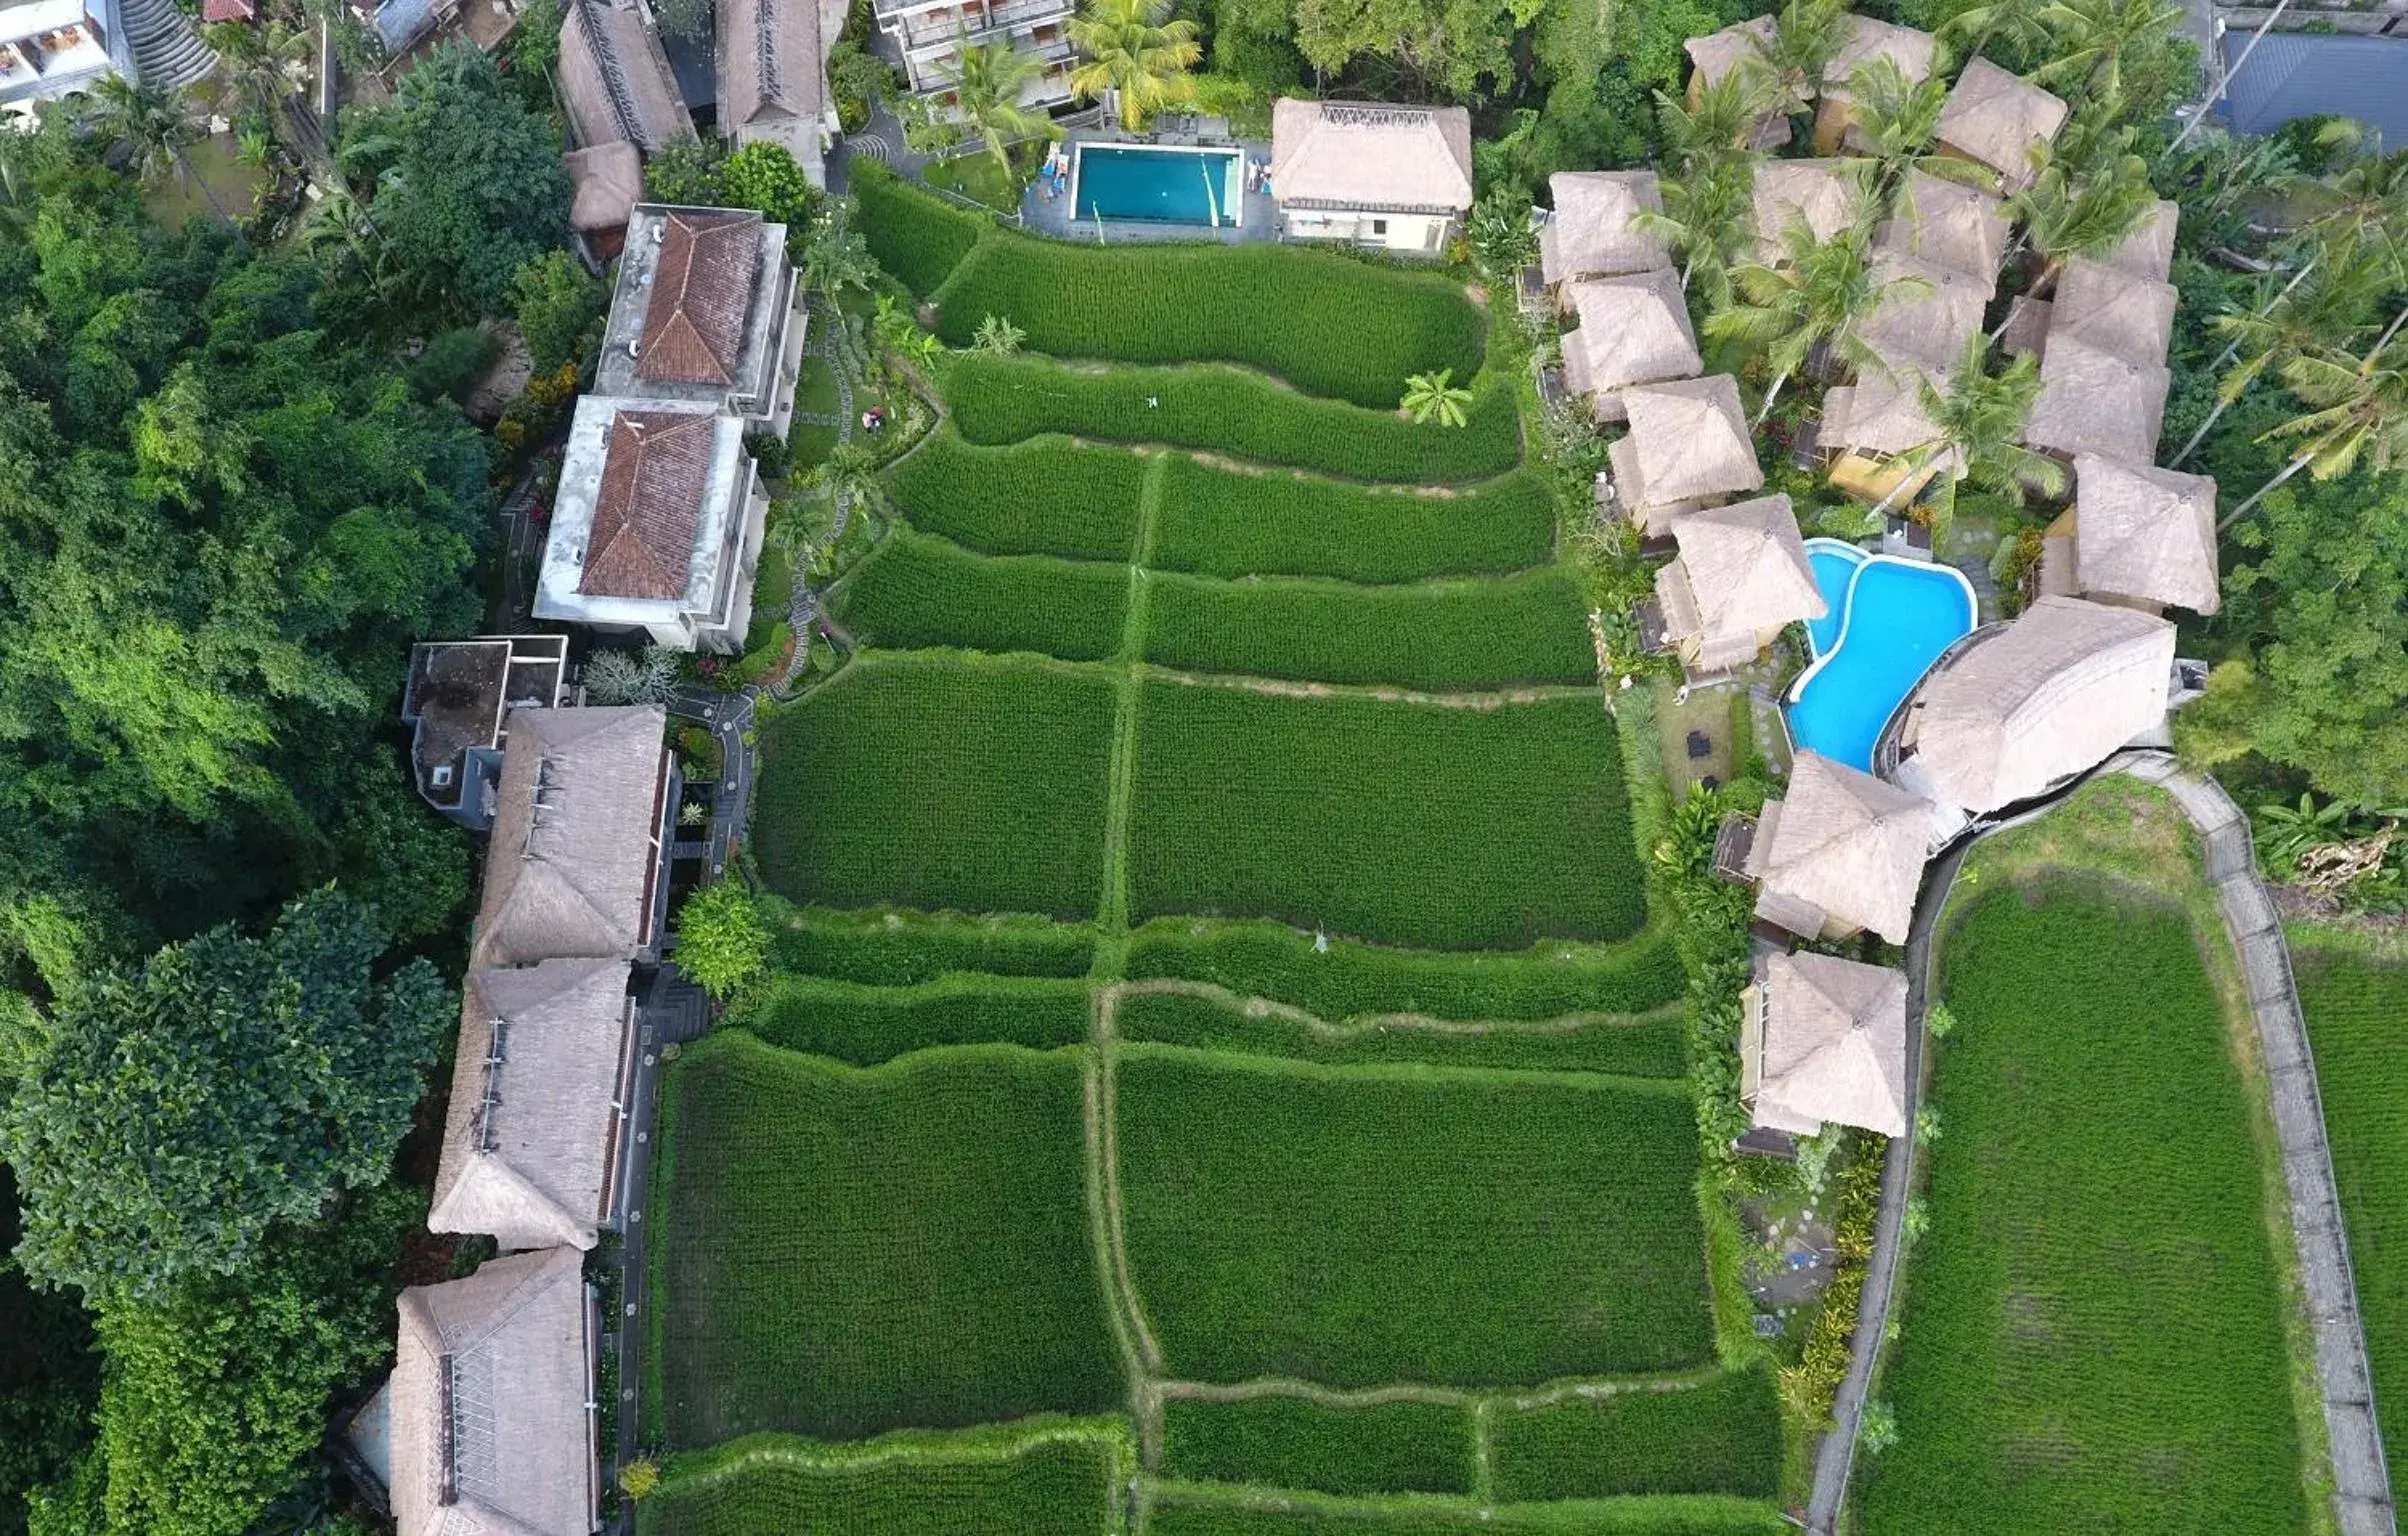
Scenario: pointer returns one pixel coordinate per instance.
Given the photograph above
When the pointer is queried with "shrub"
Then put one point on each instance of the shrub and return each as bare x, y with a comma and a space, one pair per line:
917, 237
1438, 635
557, 305
868, 1025
1723, 1436
918, 591
451, 363
1224, 522
936, 782
722, 944
1415, 824
1327, 324
1006, 399
1636, 1048
1293, 1442
1361, 1225
848, 1251
1047, 497
764, 177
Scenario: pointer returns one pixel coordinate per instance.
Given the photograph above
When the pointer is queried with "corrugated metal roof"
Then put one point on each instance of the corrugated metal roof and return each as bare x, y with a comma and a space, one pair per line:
2300, 74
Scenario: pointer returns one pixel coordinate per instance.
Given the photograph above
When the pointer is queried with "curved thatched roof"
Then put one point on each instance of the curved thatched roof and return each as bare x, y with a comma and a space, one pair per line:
1688, 441
569, 871
2092, 401
615, 80
1633, 330
1591, 233
2145, 534
1845, 845
1882, 412
1862, 40
2033, 702
1826, 1041
532, 1127
2131, 317
1998, 119
493, 1428
1948, 225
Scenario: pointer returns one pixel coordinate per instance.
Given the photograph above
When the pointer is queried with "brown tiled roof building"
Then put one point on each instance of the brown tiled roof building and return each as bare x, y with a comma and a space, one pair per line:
654, 473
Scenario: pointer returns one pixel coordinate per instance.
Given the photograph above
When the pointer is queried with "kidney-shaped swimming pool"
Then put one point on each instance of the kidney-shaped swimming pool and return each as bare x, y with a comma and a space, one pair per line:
1889, 620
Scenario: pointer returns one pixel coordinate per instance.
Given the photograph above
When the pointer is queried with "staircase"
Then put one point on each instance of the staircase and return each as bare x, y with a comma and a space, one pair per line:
168, 51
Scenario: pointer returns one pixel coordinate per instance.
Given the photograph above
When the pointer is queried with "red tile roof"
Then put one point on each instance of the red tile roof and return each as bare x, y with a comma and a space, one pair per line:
654, 470
701, 294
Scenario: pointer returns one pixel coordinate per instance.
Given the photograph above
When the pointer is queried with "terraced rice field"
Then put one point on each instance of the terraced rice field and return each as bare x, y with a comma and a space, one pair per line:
1212, 971
2092, 1336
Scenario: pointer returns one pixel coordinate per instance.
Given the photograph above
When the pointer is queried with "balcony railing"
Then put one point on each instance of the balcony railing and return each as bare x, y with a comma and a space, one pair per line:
936, 28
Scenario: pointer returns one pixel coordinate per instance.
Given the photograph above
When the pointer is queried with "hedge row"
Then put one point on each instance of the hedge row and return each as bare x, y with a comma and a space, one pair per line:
1217, 521
1435, 635
1047, 497
867, 1025
918, 591
1007, 399
1326, 323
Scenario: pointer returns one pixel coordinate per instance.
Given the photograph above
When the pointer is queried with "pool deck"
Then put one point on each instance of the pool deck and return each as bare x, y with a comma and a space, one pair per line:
1259, 220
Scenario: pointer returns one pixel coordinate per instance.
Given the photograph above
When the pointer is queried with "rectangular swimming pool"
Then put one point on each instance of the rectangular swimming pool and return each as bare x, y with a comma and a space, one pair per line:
1157, 185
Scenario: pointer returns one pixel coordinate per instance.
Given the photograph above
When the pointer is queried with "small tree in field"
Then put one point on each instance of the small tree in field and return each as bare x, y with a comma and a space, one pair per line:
722, 943
1435, 397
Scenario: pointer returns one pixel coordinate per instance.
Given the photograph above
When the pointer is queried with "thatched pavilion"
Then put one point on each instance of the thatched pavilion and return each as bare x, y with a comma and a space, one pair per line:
2018, 708
1821, 194
1950, 225
1633, 329
2092, 401
1741, 577
2136, 535
1688, 447
1822, 1040
1841, 853
1594, 231
1996, 119
2111, 309
1717, 54
2148, 252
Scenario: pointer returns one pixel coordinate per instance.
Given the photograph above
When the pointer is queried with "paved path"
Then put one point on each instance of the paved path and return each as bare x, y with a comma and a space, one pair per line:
2362, 1490
729, 716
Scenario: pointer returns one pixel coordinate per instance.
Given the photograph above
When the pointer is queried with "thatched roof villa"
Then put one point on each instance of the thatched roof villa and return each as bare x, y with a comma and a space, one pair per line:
2093, 401
1950, 225
2148, 252
2136, 535
1688, 447
1925, 312
1822, 1039
531, 1144
1863, 41
1841, 853
2130, 317
2018, 708
1717, 54
1821, 194
1740, 578
1996, 119
1632, 329
1593, 230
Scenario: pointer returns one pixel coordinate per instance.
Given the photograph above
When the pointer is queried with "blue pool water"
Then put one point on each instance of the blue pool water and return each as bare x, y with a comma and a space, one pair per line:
1891, 621
1160, 186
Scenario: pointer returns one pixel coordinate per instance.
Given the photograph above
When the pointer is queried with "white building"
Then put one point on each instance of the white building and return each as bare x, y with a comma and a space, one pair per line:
706, 314
929, 34
1393, 177
51, 47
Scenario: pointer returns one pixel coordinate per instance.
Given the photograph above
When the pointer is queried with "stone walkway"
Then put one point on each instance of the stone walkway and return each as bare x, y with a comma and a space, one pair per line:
2362, 1497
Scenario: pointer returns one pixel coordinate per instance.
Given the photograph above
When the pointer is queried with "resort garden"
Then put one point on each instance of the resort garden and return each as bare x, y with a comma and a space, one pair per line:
1220, 1062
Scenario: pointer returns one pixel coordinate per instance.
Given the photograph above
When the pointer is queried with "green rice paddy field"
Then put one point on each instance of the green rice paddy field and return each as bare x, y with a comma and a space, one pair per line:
2093, 1328
2357, 1011
1209, 942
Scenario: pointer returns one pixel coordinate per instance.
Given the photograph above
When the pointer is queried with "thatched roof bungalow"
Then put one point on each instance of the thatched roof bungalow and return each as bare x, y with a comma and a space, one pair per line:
2148, 252
1633, 329
2135, 535
2021, 707
1996, 119
1841, 853
1741, 577
531, 1148
1946, 224
1824, 1040
574, 868
1925, 313
2092, 401
1863, 41
2130, 317
1688, 447
1871, 428
492, 1402
1594, 232
1821, 194
606, 181
1717, 54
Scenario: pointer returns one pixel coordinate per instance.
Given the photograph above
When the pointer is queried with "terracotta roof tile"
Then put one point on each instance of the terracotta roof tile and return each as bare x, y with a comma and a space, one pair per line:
701, 293
654, 470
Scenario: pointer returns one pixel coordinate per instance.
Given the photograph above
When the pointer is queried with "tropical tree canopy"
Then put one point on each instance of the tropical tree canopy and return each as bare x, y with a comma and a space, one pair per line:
1131, 48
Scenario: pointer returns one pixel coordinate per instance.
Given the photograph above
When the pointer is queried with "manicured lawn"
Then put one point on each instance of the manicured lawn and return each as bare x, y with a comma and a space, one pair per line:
1360, 1225
843, 1252
932, 782
2093, 1325
977, 176
1410, 824
2357, 1010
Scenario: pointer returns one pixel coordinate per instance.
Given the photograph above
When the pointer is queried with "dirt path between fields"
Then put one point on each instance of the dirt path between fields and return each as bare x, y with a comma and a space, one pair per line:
1374, 1023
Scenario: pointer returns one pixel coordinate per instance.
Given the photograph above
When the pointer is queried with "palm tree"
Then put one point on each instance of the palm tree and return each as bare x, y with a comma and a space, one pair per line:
1709, 217
1788, 64
2095, 39
1816, 294
263, 62
1716, 128
1894, 122
833, 256
2016, 23
2071, 210
2305, 317
988, 83
1130, 48
340, 222
1435, 397
849, 477
151, 122
997, 336
2357, 406
1978, 420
